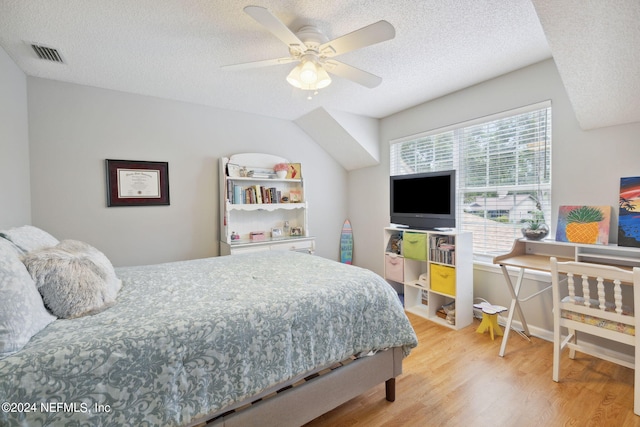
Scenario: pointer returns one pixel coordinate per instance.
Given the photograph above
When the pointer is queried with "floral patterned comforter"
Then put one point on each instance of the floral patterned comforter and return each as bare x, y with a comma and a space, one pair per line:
186, 339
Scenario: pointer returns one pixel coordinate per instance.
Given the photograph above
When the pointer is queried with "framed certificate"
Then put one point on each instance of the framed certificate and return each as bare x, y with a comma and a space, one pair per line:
137, 183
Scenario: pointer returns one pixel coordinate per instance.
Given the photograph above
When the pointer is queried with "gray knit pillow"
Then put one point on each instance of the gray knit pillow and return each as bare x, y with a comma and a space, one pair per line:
74, 278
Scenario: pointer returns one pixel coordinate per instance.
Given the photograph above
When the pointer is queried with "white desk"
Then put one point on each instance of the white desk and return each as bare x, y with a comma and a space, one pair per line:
535, 255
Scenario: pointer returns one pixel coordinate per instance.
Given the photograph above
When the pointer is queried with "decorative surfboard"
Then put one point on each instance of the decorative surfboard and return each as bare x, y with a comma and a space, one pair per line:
346, 243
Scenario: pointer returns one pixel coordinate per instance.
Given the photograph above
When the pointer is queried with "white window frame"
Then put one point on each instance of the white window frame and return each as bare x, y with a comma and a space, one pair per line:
486, 229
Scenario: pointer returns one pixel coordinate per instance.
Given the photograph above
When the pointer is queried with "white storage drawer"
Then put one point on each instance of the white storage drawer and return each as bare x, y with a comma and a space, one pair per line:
394, 267
305, 244
294, 245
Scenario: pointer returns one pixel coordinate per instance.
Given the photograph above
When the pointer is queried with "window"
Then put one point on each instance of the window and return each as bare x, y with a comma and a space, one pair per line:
503, 165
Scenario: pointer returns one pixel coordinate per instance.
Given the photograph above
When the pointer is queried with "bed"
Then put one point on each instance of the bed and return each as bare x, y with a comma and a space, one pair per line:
226, 340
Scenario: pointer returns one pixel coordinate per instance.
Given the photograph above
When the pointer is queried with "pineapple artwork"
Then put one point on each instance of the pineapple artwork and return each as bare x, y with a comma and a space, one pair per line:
584, 224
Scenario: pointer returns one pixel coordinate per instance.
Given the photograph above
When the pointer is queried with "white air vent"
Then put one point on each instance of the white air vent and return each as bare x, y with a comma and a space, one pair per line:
48, 53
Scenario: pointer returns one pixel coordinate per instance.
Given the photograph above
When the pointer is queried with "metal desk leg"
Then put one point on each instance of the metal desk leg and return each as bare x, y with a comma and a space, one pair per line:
515, 306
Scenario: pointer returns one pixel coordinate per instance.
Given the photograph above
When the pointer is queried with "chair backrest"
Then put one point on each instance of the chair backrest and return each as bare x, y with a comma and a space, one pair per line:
595, 290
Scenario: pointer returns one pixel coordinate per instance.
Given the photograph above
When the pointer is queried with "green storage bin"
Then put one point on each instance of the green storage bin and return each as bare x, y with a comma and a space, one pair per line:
414, 246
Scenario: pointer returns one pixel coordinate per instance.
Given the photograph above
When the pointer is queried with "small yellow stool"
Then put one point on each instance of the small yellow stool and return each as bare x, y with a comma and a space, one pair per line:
490, 319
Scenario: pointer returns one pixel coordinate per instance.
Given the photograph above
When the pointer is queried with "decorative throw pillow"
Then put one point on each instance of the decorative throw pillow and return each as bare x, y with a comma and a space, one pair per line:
74, 278
29, 238
22, 313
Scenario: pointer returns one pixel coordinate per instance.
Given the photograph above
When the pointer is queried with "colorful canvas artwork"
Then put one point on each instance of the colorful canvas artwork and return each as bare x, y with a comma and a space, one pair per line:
584, 224
295, 171
629, 212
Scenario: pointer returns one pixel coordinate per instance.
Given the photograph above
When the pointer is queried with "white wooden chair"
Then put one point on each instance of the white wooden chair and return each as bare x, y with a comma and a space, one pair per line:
588, 298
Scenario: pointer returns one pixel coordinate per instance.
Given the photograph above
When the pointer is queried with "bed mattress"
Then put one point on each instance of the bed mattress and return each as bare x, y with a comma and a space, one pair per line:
186, 339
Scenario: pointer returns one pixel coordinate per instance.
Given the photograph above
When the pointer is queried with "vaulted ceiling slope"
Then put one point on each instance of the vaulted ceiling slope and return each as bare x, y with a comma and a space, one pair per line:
175, 49
596, 47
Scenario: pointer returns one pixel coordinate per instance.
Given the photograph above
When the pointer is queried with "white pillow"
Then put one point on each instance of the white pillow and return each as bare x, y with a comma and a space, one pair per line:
29, 238
22, 313
74, 278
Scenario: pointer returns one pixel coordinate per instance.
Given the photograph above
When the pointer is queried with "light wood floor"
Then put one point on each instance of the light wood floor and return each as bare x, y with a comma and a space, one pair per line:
456, 378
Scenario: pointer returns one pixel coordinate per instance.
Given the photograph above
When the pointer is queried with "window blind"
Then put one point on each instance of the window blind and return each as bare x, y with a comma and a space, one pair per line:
503, 165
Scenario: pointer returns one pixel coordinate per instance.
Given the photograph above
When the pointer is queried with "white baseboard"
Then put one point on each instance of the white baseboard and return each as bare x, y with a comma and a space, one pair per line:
548, 336
534, 330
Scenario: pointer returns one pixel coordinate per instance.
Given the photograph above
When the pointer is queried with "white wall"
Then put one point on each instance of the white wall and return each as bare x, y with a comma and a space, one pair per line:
15, 196
586, 166
73, 129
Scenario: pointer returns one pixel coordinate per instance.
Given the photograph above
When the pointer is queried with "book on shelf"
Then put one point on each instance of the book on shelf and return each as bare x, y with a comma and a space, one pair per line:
258, 193
261, 175
442, 249
237, 194
265, 195
249, 195
230, 190
438, 240
274, 195
253, 194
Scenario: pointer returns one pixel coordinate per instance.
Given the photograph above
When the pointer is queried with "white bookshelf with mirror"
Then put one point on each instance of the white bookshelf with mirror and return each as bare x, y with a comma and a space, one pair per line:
258, 209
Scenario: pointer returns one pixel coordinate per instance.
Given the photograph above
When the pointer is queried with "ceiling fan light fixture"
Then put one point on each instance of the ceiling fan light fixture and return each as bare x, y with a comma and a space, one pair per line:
313, 51
323, 79
294, 77
308, 75
308, 72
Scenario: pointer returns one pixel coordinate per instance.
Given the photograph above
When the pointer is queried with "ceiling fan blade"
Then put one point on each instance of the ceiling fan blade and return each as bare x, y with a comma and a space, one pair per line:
277, 27
256, 64
365, 36
352, 73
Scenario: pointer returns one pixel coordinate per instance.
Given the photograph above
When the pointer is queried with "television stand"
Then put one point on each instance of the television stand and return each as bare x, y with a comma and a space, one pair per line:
434, 270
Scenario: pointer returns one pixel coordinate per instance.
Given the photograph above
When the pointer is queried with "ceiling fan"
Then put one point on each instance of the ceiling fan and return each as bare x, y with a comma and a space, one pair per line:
314, 52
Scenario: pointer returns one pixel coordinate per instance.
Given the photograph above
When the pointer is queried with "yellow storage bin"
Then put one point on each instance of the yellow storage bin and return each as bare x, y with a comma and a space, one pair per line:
443, 279
414, 246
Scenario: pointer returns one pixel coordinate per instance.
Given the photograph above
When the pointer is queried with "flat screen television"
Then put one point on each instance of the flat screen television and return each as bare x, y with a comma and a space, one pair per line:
424, 200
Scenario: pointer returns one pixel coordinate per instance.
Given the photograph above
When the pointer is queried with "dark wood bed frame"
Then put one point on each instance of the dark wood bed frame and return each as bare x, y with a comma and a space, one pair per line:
316, 395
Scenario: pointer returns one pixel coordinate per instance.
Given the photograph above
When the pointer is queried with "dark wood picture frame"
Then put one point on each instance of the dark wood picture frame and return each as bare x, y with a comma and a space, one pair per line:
137, 183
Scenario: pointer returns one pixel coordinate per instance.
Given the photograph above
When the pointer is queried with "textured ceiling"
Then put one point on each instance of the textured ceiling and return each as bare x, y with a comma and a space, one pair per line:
174, 48
596, 47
